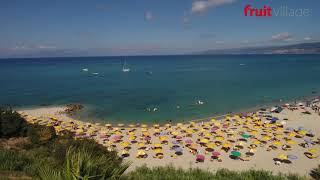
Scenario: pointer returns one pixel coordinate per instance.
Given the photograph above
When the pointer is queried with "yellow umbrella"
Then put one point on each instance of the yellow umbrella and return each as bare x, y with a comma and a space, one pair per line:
257, 142
213, 120
210, 145
144, 125
146, 133
141, 153
141, 144
163, 138
179, 124
292, 134
156, 125
124, 144
157, 130
291, 142
283, 157
219, 138
204, 141
175, 133
132, 125
276, 143
157, 145
313, 150
131, 138
124, 152
266, 138
226, 145
158, 151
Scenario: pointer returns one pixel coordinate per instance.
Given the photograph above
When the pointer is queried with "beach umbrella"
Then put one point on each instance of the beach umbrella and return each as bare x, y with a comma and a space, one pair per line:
178, 149
124, 153
210, 145
276, 143
313, 150
204, 141
193, 146
179, 137
163, 138
108, 125
141, 153
291, 142
157, 131
188, 141
174, 133
235, 153
282, 157
309, 141
144, 125
158, 151
292, 157
141, 144
146, 133
156, 125
226, 145
219, 138
157, 145
124, 144
132, 125
120, 125
215, 154
245, 136
175, 142
200, 158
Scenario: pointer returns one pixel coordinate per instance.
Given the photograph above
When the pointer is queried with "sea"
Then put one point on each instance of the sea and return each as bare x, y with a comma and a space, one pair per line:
158, 89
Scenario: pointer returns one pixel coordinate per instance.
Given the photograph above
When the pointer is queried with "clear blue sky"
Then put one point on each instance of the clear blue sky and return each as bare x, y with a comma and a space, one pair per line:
131, 27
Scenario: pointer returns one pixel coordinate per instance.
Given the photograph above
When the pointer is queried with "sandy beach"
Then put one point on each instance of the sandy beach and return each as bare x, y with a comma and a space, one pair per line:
256, 127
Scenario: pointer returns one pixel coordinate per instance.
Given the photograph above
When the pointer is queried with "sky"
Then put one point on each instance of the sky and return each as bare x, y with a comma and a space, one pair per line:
46, 28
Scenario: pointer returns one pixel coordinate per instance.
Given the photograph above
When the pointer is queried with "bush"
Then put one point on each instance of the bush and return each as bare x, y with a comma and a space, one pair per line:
40, 135
12, 161
170, 172
315, 173
11, 123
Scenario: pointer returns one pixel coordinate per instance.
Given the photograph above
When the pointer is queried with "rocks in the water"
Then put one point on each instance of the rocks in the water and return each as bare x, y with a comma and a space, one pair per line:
71, 108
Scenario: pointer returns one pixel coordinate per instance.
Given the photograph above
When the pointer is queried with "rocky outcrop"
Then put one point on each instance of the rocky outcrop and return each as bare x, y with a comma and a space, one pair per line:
72, 108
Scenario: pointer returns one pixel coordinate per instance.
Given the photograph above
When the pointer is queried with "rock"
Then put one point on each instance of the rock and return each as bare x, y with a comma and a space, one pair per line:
71, 108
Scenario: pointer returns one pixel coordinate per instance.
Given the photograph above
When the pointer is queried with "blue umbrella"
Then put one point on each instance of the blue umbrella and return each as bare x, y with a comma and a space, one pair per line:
274, 119
175, 142
290, 129
292, 157
178, 149
309, 141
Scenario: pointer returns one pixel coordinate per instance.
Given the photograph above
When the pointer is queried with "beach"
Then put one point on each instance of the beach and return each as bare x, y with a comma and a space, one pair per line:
146, 139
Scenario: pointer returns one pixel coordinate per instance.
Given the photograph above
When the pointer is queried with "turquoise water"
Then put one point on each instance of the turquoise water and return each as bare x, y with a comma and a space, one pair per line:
220, 81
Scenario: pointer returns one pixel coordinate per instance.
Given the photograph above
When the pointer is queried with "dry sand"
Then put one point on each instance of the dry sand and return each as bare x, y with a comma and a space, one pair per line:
261, 160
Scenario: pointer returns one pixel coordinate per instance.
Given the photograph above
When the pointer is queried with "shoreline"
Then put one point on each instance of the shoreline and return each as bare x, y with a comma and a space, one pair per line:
204, 119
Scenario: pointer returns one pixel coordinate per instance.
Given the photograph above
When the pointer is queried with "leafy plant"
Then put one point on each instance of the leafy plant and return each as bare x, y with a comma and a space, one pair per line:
85, 164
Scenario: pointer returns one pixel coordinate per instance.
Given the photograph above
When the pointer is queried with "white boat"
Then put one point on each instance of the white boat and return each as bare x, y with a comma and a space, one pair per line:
124, 68
85, 69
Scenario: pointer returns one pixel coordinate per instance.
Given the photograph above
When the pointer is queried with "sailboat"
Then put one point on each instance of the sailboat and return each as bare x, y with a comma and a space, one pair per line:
124, 68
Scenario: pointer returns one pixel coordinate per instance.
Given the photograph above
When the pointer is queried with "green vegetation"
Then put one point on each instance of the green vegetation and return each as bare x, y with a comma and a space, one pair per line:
170, 172
11, 123
315, 173
37, 152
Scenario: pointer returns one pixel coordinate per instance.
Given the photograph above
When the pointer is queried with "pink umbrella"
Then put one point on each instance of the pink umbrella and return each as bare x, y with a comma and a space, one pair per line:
117, 137
188, 141
200, 158
178, 137
215, 154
